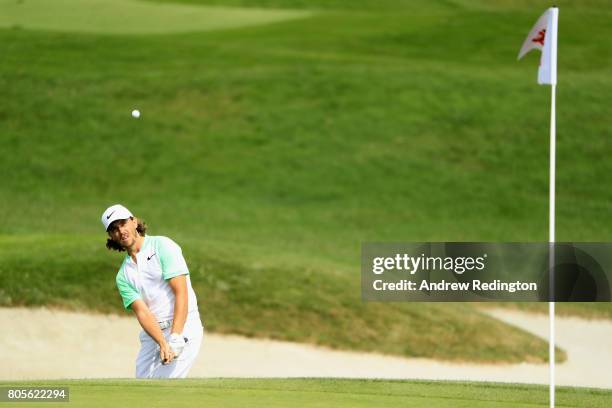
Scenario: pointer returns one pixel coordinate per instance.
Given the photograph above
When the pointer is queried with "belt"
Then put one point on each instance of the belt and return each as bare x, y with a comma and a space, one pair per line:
165, 324
168, 323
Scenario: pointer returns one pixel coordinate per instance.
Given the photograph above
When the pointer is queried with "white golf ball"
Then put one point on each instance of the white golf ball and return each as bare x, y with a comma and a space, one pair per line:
136, 113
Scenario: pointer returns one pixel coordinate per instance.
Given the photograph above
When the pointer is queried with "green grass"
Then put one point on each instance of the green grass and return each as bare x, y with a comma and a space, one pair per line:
583, 310
254, 297
271, 152
318, 393
131, 16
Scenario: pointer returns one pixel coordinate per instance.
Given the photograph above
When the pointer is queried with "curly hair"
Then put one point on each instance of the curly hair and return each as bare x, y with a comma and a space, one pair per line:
115, 246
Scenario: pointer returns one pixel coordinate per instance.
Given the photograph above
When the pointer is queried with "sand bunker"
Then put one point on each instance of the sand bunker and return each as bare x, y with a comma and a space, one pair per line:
50, 344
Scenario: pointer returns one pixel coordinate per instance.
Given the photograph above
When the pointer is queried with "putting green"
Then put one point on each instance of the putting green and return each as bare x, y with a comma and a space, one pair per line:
319, 393
132, 16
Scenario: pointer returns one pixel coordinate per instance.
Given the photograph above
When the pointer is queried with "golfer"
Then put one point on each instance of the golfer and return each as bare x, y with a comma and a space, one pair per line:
154, 283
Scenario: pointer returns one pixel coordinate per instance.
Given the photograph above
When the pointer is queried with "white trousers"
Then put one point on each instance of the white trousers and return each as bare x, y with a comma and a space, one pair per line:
148, 362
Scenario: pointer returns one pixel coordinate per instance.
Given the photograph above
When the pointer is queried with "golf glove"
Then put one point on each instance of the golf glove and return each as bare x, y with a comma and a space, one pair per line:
176, 343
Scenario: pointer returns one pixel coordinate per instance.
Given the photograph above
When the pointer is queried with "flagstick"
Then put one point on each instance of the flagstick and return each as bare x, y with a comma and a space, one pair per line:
544, 33
551, 259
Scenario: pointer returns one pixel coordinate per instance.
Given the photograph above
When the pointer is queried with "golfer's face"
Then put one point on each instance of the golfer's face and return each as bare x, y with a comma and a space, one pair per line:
124, 232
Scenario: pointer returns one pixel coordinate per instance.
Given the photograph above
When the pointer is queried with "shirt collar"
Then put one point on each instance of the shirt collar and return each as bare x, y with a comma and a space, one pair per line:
145, 243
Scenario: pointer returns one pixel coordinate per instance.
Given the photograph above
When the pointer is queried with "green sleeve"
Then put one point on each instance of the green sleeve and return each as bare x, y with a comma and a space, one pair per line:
127, 291
171, 259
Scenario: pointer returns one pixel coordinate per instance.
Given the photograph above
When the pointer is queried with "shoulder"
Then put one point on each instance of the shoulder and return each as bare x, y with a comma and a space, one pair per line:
121, 272
170, 257
166, 247
162, 242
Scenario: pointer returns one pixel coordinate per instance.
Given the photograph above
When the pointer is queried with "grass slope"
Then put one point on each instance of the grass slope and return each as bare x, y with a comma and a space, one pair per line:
269, 153
318, 393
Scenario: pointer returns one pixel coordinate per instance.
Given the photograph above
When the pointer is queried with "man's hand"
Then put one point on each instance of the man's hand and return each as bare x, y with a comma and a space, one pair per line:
150, 325
177, 344
165, 353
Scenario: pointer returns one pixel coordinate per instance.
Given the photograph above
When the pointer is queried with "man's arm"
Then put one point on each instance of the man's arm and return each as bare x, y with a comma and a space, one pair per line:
179, 287
150, 325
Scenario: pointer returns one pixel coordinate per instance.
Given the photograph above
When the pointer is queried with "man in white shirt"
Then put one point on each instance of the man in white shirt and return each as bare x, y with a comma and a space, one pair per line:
154, 282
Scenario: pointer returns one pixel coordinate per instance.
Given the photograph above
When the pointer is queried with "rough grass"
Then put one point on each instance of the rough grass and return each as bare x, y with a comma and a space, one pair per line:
271, 152
252, 296
584, 310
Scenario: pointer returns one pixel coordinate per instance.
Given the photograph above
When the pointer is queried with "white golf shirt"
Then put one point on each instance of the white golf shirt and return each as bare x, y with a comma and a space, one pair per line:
158, 260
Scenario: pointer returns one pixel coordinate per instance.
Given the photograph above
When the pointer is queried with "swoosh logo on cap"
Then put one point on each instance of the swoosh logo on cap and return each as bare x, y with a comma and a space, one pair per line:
109, 215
